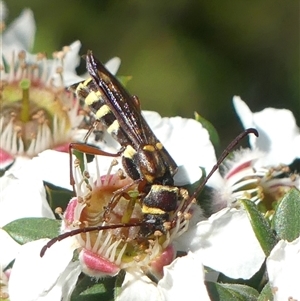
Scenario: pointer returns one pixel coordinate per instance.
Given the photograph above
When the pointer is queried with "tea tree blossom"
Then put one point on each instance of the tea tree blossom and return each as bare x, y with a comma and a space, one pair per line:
244, 177
37, 111
261, 173
106, 252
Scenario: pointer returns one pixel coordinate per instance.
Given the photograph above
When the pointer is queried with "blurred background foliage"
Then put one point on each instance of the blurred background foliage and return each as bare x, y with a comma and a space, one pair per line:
185, 56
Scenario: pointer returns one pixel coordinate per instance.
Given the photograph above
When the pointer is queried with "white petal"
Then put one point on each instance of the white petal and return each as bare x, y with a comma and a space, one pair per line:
186, 140
47, 278
283, 267
3, 11
226, 243
71, 61
22, 195
113, 65
20, 34
187, 175
243, 112
279, 136
184, 280
54, 167
138, 287
9, 249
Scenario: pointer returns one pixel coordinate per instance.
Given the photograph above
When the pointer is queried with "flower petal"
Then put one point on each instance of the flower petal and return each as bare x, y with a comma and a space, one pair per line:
54, 167
71, 61
283, 267
279, 135
113, 65
20, 34
138, 287
184, 279
6, 159
226, 243
51, 277
3, 11
9, 249
22, 195
187, 175
187, 142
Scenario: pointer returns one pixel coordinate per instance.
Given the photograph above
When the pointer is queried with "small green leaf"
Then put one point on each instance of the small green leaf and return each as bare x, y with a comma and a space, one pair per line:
28, 229
80, 157
90, 289
266, 293
58, 196
286, 221
232, 292
261, 227
124, 79
213, 134
118, 285
5, 64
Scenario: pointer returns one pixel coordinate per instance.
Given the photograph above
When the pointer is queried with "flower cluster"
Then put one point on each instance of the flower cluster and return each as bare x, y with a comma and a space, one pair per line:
255, 198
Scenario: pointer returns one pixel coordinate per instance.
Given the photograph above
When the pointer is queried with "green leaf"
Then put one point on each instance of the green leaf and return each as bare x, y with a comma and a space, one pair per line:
213, 134
57, 196
5, 64
28, 229
261, 227
118, 285
90, 289
124, 79
232, 292
80, 156
266, 293
286, 220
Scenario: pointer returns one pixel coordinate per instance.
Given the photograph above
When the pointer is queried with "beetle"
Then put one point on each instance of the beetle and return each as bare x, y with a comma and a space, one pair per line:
144, 158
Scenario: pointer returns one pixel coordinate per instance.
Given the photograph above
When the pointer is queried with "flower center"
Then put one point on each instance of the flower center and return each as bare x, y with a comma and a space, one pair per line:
113, 200
265, 186
35, 113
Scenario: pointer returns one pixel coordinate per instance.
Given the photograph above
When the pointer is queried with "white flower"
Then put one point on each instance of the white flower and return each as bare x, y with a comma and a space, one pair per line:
33, 95
244, 177
283, 266
37, 111
279, 135
261, 174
